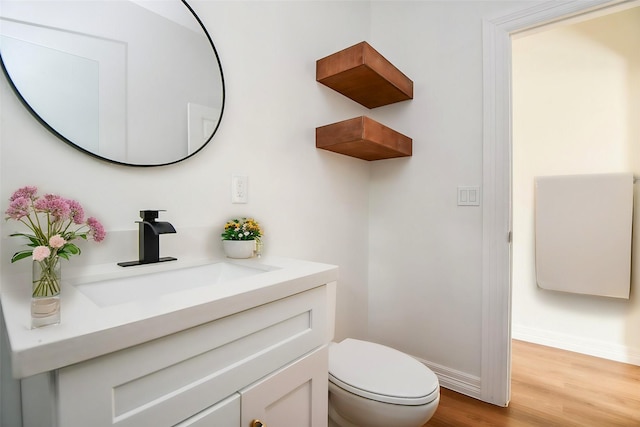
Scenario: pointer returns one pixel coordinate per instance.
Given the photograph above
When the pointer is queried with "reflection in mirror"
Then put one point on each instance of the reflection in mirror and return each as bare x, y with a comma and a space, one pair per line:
132, 82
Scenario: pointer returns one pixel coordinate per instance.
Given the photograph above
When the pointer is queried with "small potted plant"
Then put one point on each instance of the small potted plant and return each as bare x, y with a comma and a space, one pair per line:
240, 237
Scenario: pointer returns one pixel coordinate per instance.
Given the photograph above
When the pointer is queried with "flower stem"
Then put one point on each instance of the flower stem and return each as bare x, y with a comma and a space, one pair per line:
46, 277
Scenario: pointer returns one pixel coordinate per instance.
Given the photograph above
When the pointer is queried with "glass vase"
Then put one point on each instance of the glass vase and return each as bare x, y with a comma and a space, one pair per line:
45, 295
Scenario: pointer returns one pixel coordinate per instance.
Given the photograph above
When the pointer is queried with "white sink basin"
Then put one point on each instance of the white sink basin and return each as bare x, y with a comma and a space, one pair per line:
134, 288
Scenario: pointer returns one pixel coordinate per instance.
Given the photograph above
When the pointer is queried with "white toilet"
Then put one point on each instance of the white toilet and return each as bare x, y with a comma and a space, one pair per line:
377, 386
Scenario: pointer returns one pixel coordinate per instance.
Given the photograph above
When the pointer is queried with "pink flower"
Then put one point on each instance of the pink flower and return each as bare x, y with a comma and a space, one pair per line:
53, 205
57, 241
18, 208
50, 215
96, 229
76, 211
28, 192
41, 252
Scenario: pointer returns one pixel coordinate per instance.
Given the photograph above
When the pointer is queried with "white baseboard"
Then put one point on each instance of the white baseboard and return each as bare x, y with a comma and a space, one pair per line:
457, 381
470, 385
602, 349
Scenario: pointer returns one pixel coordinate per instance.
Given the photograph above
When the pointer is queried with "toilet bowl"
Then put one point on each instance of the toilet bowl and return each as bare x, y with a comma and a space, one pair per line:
377, 386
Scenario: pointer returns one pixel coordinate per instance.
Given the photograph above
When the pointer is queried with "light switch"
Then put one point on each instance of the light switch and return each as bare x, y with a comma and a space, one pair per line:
468, 196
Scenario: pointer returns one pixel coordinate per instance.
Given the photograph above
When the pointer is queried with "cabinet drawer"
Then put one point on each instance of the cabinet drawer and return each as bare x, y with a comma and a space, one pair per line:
225, 413
165, 381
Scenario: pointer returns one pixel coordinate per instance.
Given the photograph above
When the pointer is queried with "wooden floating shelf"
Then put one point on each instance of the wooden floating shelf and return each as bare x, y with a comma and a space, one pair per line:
362, 74
363, 138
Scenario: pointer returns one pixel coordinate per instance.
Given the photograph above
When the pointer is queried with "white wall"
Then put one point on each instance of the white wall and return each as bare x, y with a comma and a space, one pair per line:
312, 204
575, 111
425, 259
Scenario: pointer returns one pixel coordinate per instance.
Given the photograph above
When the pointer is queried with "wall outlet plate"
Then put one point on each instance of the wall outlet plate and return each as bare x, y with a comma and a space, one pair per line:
239, 188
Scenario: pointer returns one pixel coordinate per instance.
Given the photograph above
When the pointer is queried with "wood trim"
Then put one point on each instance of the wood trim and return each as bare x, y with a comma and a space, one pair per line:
452, 379
496, 287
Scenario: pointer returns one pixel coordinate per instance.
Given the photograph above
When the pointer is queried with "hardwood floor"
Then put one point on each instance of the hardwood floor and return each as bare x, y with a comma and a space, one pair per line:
551, 387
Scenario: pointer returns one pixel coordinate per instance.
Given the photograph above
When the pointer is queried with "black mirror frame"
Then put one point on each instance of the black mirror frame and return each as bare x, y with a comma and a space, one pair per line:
69, 142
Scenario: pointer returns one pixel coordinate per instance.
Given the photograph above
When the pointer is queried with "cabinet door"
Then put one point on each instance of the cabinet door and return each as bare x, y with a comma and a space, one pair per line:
296, 395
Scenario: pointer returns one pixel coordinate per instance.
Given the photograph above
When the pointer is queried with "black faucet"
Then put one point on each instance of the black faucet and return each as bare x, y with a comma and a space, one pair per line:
149, 231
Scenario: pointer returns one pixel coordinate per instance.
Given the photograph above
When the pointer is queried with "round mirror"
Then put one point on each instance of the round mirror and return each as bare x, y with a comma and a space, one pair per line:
137, 83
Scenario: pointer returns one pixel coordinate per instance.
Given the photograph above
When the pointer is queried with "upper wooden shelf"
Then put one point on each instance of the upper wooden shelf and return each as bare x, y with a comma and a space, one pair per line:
362, 74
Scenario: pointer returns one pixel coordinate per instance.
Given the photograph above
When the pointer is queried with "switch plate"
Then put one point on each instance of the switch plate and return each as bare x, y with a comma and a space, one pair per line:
239, 189
468, 195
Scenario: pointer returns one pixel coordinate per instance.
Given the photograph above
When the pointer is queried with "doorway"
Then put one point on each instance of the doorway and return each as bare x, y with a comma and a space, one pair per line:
497, 179
575, 95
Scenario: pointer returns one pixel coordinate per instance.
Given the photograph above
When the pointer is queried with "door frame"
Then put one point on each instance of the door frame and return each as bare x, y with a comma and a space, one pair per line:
496, 152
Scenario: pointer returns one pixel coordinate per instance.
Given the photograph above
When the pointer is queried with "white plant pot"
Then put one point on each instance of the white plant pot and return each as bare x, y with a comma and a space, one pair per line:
239, 248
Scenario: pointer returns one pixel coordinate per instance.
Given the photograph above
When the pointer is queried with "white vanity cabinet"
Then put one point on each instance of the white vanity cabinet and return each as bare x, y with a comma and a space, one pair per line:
266, 363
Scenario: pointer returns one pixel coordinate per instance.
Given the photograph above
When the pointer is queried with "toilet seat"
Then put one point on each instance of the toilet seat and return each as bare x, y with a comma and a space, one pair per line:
381, 373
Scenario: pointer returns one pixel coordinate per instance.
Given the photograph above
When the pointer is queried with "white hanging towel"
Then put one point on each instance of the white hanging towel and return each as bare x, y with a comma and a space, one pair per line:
583, 233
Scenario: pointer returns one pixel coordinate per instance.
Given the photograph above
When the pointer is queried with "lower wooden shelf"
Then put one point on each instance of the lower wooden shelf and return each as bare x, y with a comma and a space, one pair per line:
364, 138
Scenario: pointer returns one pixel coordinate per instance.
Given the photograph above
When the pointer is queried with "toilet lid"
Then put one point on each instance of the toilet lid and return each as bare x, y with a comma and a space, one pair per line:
381, 373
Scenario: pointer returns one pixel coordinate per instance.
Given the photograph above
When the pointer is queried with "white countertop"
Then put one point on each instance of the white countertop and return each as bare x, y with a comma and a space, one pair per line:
88, 330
